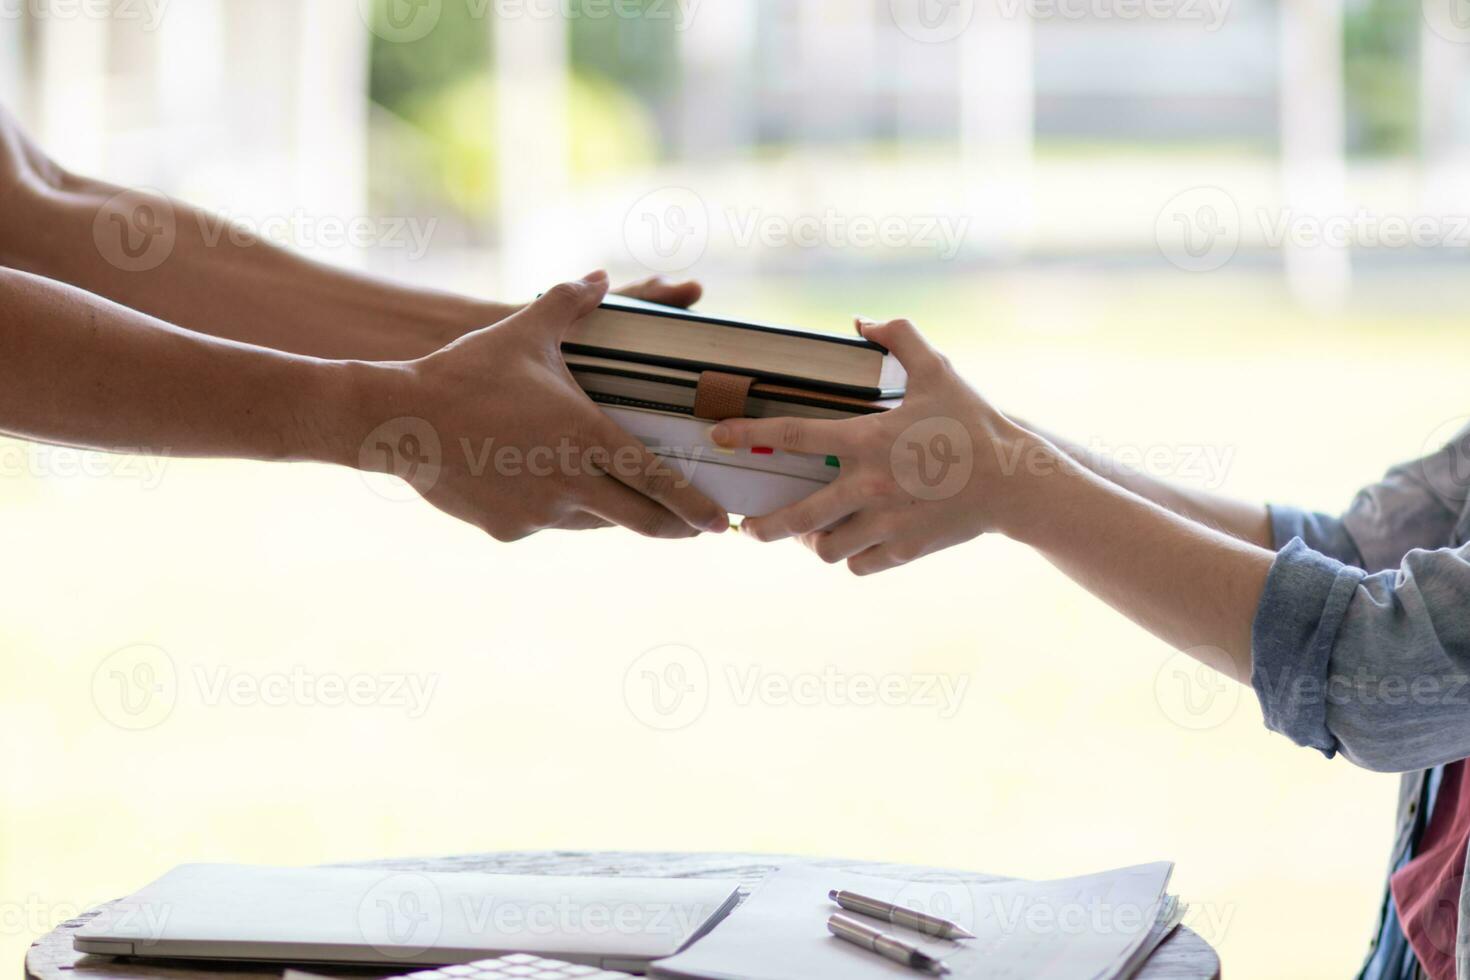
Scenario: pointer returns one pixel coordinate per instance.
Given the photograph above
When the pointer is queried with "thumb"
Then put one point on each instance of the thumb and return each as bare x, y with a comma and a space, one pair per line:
567, 302
904, 341
655, 289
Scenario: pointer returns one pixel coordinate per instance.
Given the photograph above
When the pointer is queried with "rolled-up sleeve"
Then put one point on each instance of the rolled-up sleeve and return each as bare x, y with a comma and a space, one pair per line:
1375, 666
1322, 533
1301, 611
1372, 665
1414, 505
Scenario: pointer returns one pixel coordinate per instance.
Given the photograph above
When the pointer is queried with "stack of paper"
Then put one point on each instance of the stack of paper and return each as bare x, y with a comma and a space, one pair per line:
1096, 927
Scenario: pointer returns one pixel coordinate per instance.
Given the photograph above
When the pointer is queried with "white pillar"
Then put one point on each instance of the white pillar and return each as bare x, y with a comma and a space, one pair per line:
717, 109
260, 89
834, 36
190, 63
1313, 145
13, 89
188, 68
1444, 117
532, 150
998, 122
331, 125
71, 94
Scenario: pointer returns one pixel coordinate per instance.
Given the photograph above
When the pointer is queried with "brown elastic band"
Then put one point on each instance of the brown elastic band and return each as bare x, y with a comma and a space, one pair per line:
721, 396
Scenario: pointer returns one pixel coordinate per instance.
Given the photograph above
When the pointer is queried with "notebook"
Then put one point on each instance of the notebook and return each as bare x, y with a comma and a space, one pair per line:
749, 482
633, 330
667, 389
369, 916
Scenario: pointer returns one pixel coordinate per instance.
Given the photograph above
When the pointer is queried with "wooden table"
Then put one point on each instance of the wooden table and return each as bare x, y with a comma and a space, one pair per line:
1184, 956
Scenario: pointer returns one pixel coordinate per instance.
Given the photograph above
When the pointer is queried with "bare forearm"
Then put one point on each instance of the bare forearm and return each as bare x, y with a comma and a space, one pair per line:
82, 371
241, 288
1188, 584
204, 275
1240, 519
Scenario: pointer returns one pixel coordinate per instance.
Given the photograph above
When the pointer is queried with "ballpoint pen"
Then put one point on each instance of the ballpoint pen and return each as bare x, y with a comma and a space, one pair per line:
889, 947
929, 925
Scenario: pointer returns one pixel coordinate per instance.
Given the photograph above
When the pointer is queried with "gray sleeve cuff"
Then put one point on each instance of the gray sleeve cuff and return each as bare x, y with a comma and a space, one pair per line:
1321, 532
1306, 597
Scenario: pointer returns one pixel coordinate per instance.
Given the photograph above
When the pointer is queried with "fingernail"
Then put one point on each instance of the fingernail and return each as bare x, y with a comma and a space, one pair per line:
595, 276
721, 435
718, 525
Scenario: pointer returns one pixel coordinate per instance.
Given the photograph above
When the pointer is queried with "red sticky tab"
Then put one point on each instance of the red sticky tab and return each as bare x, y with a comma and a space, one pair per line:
762, 450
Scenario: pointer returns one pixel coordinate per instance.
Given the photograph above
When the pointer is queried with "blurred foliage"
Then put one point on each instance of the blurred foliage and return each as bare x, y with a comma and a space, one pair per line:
1380, 52
611, 133
624, 75
639, 53
441, 87
404, 75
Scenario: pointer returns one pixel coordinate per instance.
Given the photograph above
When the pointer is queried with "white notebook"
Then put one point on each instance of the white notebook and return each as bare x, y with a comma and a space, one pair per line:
741, 481
356, 915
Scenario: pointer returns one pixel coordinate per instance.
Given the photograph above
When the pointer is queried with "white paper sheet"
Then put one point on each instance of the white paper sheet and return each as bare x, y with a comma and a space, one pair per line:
1171, 913
1068, 929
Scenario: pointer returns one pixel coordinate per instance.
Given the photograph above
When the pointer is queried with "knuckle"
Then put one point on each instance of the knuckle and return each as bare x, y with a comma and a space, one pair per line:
788, 436
875, 488
507, 533
657, 525
562, 294
657, 483
594, 459
599, 459
801, 520
902, 554
891, 527
827, 550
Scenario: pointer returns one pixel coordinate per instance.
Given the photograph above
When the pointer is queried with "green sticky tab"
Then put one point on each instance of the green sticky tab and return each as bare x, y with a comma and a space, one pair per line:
833, 461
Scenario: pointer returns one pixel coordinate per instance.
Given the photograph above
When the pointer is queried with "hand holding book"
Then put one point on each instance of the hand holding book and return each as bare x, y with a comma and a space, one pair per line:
916, 479
517, 446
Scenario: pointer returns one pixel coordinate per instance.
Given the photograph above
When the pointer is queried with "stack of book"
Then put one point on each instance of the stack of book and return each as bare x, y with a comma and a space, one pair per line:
666, 375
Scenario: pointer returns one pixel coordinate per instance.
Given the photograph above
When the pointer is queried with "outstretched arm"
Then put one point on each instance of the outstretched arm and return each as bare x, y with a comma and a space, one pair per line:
185, 266
1375, 664
945, 467
491, 429
181, 265
1238, 518
83, 371
1195, 587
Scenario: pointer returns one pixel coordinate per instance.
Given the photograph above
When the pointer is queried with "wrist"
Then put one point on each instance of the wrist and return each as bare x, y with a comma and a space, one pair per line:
1030, 470
353, 399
